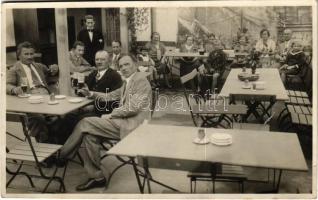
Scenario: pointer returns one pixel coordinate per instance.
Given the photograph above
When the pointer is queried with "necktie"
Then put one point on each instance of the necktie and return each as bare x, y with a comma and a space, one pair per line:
97, 76
36, 81
123, 96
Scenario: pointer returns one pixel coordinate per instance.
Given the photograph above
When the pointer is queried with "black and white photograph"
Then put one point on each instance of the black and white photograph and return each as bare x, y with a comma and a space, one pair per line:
179, 99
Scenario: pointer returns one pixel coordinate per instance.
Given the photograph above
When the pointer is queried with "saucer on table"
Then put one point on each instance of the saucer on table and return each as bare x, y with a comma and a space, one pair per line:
221, 139
52, 102
60, 96
75, 100
24, 95
205, 140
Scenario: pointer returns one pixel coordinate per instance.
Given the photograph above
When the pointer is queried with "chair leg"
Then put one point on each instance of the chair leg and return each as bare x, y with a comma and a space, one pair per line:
213, 185
17, 172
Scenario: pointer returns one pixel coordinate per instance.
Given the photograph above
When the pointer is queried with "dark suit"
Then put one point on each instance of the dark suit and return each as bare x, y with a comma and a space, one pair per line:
91, 47
111, 80
114, 63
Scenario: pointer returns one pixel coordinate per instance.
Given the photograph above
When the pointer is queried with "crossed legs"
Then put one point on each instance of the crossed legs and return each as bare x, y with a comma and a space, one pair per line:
89, 131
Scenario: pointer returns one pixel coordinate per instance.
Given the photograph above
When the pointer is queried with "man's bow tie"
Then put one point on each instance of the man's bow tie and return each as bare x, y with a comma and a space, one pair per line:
90, 30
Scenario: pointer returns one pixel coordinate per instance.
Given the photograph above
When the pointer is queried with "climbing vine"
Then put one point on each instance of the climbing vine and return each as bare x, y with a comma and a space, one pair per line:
138, 20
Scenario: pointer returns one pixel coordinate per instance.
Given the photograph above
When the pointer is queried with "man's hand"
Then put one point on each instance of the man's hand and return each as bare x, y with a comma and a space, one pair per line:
283, 67
84, 91
17, 90
54, 69
106, 116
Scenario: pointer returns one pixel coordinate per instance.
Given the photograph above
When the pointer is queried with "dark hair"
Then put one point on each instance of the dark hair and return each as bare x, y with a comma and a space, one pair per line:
155, 33
78, 43
26, 44
187, 36
89, 17
119, 42
133, 58
264, 30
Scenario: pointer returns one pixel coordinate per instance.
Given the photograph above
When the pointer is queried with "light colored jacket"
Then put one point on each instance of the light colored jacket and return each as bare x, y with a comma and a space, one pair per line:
15, 73
135, 107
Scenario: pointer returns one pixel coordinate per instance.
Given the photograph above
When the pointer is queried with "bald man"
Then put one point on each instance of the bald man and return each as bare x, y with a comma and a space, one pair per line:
285, 46
135, 101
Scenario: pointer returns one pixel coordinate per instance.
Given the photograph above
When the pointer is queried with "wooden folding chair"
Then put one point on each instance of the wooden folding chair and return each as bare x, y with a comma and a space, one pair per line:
254, 104
199, 171
210, 108
296, 116
29, 150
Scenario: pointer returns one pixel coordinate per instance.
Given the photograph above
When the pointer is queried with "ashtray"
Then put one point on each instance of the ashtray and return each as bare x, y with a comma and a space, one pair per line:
246, 76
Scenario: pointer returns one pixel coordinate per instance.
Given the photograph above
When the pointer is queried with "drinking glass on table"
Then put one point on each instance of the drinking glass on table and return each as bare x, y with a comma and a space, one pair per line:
24, 85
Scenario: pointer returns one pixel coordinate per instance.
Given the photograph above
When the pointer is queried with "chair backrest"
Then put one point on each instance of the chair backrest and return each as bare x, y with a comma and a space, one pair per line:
190, 76
23, 119
251, 97
308, 82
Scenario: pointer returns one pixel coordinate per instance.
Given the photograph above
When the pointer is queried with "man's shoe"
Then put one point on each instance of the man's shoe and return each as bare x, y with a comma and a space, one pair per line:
90, 184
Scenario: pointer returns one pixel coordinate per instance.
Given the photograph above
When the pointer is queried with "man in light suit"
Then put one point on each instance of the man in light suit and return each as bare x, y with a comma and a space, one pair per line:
34, 75
92, 38
135, 100
115, 55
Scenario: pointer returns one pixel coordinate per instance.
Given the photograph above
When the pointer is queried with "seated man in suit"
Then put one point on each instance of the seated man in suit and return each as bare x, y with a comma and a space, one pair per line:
77, 62
92, 38
33, 75
104, 80
135, 101
115, 55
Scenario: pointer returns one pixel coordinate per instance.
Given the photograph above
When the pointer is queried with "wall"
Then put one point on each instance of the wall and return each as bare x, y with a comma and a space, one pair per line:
165, 21
10, 37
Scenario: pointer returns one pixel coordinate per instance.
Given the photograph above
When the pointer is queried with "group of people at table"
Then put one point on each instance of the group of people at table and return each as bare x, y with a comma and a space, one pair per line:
119, 74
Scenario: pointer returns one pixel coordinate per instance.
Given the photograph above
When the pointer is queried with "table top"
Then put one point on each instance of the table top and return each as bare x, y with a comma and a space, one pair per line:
249, 148
172, 53
270, 76
17, 104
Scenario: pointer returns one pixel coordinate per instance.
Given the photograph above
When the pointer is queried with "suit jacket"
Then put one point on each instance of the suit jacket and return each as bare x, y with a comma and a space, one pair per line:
91, 47
115, 65
111, 79
15, 73
135, 104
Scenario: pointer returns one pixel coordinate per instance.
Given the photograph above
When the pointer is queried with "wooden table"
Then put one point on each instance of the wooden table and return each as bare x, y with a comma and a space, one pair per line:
250, 148
172, 53
273, 91
271, 77
17, 104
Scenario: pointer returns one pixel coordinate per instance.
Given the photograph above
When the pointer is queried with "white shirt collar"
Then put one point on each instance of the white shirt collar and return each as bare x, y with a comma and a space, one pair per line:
188, 47
129, 78
101, 73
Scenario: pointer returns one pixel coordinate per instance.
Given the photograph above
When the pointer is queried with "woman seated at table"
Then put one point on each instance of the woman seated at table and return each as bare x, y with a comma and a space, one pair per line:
265, 45
156, 51
149, 66
214, 67
295, 61
188, 64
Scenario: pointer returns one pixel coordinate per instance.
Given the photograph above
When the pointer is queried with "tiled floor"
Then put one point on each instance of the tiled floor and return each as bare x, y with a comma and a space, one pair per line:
124, 181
